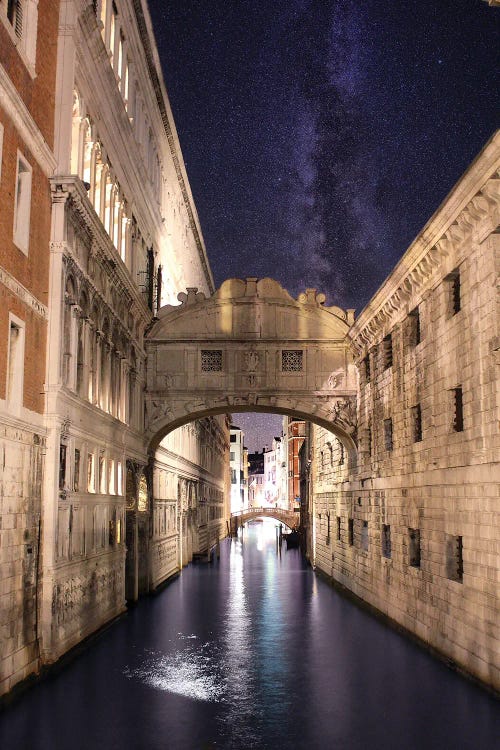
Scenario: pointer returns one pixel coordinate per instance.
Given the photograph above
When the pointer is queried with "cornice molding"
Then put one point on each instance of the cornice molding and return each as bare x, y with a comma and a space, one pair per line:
471, 210
16, 109
20, 291
71, 190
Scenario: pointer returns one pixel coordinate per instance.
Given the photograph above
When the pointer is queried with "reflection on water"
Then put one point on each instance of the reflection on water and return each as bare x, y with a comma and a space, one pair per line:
252, 652
193, 672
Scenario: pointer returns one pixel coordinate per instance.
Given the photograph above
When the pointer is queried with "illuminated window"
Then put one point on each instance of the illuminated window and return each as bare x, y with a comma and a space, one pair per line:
22, 204
90, 473
142, 503
15, 366
62, 466
76, 471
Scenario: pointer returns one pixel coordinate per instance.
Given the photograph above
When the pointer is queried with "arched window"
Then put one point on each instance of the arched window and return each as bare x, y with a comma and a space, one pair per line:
80, 358
68, 334
88, 147
131, 388
98, 180
104, 369
93, 379
75, 135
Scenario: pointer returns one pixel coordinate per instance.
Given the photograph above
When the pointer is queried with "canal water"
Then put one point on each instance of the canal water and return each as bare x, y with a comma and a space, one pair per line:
253, 651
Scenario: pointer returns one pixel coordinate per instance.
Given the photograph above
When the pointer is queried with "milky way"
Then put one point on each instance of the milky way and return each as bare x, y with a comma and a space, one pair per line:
321, 135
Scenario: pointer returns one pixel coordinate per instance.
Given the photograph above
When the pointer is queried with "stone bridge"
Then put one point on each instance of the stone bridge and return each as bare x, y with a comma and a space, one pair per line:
288, 517
251, 347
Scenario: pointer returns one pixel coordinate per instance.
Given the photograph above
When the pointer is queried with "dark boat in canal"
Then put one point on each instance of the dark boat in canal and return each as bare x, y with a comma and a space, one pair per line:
292, 539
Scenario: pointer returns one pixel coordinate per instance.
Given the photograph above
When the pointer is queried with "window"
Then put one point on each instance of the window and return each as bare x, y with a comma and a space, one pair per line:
211, 360
22, 204
366, 363
111, 477
102, 475
458, 409
454, 558
76, 471
386, 540
22, 18
350, 531
232, 438
231, 456
233, 476
62, 466
414, 548
416, 418
364, 536
119, 475
342, 453
369, 440
454, 292
292, 360
388, 434
338, 528
415, 334
328, 527
387, 351
15, 368
90, 473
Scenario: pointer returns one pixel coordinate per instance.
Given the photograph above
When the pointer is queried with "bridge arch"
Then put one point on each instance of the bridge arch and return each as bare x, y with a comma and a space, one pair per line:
288, 517
251, 347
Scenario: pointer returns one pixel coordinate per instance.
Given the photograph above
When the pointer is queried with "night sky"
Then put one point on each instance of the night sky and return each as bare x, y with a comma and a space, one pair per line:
320, 135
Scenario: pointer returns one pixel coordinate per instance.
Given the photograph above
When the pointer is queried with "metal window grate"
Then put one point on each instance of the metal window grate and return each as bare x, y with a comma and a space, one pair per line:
211, 360
388, 440
386, 540
414, 547
292, 360
458, 410
417, 423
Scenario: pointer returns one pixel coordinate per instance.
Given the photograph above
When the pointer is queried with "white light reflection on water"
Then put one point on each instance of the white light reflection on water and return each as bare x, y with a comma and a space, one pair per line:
193, 672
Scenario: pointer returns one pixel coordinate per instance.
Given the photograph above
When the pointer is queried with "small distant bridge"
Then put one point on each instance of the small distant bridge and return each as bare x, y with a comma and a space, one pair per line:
290, 518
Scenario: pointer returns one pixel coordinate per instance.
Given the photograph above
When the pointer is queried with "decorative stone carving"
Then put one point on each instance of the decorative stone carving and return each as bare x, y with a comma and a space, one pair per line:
343, 411
336, 379
252, 361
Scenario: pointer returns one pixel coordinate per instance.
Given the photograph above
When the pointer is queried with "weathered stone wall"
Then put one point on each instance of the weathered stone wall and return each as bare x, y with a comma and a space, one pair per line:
190, 500
21, 459
424, 500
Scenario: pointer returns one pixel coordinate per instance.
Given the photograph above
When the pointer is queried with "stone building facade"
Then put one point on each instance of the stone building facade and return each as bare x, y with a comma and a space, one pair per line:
125, 239
27, 90
89, 144
414, 529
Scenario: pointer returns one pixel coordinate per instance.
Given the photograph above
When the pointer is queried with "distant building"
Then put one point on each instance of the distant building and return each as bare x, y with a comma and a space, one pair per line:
294, 430
256, 495
237, 458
